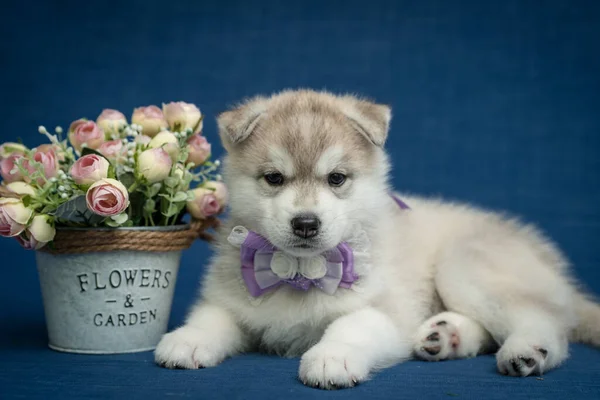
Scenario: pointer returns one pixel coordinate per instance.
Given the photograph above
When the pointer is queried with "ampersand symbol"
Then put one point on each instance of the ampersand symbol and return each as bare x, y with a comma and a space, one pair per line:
128, 301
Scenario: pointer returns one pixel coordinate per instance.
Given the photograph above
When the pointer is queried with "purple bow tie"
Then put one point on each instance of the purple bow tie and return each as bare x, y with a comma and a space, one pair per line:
258, 256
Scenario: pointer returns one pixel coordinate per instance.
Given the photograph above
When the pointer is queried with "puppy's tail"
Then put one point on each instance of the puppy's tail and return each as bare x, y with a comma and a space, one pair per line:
588, 328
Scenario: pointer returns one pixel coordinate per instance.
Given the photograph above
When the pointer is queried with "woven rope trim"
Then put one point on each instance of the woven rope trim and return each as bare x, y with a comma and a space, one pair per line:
82, 241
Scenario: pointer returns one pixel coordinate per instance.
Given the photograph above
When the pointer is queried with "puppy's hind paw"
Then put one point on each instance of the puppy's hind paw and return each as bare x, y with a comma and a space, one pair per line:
450, 335
438, 341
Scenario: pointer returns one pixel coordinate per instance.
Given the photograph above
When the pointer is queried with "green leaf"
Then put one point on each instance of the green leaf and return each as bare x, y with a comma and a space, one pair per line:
171, 182
75, 210
136, 206
127, 179
179, 197
26, 200
111, 172
183, 155
112, 223
183, 187
149, 206
172, 210
154, 189
190, 196
120, 219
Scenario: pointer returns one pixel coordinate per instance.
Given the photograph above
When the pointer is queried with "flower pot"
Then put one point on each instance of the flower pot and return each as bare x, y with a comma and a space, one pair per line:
111, 291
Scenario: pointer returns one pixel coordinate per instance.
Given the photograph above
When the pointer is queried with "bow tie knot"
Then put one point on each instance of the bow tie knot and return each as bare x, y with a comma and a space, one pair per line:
286, 266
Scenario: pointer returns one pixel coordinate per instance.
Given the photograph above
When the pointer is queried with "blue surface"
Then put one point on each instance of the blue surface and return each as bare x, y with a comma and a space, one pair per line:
494, 103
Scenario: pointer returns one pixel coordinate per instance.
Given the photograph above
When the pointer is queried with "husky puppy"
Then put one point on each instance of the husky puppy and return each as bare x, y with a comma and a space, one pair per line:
307, 172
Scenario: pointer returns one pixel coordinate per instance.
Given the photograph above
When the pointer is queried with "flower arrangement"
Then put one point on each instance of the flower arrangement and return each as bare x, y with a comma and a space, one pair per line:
110, 173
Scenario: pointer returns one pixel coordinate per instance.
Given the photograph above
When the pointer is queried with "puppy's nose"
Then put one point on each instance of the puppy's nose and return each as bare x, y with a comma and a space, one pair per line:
306, 226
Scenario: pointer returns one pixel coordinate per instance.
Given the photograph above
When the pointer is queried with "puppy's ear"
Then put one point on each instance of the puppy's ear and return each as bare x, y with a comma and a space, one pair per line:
369, 119
237, 124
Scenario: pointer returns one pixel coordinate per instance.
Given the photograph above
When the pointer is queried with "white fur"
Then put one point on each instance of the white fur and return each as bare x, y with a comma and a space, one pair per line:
281, 161
329, 160
501, 282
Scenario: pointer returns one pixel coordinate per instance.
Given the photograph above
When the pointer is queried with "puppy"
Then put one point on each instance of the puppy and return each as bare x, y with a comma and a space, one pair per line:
351, 277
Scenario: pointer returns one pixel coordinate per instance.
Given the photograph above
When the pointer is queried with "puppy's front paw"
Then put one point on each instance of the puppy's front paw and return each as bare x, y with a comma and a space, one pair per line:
186, 348
332, 365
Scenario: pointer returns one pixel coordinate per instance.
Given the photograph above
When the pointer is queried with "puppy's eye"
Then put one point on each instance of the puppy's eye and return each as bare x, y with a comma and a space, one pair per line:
274, 179
336, 179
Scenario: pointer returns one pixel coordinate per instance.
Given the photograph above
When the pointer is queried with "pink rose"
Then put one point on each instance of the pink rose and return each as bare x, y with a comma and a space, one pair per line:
49, 162
208, 200
87, 133
181, 116
150, 118
13, 217
89, 169
209, 205
58, 152
110, 121
204, 204
114, 151
107, 197
7, 165
220, 191
154, 165
199, 150
75, 124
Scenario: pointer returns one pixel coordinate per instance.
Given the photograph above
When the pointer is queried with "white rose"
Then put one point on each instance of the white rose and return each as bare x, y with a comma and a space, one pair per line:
150, 118
313, 267
154, 165
167, 141
41, 230
284, 265
110, 121
181, 116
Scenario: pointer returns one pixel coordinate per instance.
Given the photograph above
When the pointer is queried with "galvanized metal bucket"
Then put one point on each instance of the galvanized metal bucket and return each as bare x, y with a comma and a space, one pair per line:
108, 302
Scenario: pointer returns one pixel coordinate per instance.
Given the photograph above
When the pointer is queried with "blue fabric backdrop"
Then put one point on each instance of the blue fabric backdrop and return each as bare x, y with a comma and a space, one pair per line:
495, 103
